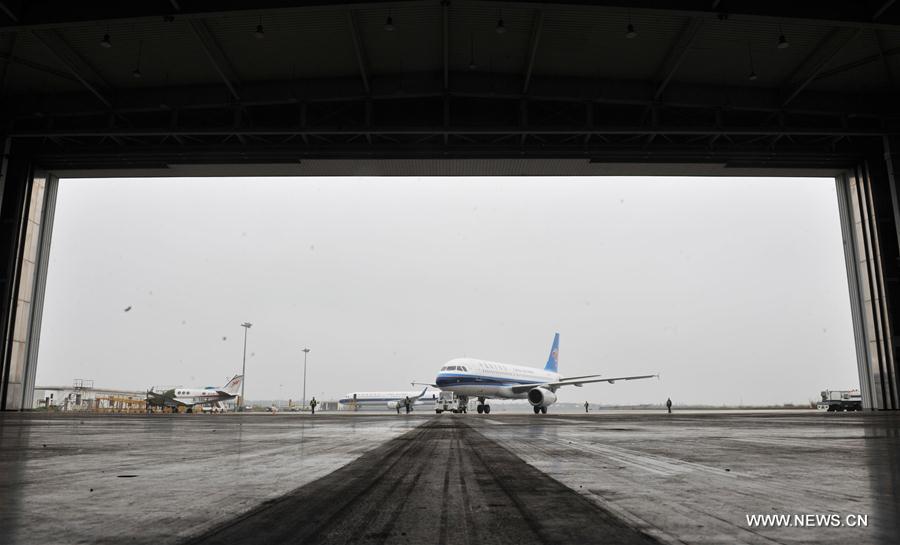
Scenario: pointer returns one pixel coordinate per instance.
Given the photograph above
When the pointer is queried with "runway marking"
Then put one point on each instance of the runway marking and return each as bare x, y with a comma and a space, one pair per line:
492, 421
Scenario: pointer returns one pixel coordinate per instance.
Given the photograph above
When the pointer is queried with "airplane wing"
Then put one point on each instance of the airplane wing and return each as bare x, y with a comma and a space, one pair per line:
426, 384
575, 381
161, 400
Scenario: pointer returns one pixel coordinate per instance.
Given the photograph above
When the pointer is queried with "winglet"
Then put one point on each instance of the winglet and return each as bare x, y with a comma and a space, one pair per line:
553, 360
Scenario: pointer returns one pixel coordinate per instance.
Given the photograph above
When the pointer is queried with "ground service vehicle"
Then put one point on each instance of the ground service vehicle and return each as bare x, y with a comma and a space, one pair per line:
840, 400
448, 401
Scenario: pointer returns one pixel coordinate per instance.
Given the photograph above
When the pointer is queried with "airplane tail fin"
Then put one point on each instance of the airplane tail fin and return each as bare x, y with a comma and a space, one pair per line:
553, 360
234, 385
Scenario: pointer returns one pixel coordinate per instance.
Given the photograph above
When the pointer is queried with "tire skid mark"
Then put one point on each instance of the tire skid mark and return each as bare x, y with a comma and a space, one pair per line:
465, 495
364, 522
221, 534
445, 513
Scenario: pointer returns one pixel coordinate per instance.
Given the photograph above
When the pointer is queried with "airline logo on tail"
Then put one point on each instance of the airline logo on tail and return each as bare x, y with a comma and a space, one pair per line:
553, 360
234, 385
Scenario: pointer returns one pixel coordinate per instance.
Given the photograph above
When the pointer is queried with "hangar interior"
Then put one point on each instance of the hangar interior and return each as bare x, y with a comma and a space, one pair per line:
458, 88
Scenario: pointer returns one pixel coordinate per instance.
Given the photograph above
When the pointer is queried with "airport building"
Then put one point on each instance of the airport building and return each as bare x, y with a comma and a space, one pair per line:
83, 396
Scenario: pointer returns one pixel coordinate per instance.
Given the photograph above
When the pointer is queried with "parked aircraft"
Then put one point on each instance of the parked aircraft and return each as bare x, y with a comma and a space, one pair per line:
469, 377
195, 399
391, 400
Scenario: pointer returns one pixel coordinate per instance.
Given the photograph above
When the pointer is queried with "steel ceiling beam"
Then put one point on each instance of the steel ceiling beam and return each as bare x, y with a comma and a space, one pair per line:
816, 61
465, 84
677, 53
9, 12
884, 7
462, 131
358, 49
882, 55
216, 57
445, 39
537, 28
64, 13
75, 64
13, 59
6, 62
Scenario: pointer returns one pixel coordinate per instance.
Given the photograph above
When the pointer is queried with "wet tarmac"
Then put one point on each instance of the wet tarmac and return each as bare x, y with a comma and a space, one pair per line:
505, 478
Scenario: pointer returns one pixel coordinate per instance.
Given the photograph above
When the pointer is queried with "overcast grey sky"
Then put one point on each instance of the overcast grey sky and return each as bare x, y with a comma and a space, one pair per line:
734, 289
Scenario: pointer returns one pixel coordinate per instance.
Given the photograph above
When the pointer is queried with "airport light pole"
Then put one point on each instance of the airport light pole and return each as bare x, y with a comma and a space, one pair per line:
305, 353
246, 326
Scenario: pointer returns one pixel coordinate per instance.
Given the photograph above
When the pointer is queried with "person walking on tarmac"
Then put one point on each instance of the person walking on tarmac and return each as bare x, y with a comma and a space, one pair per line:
398, 407
408, 404
312, 404
586, 406
669, 405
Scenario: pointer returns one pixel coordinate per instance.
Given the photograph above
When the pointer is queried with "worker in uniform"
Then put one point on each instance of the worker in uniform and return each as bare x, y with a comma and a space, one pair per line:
669, 405
408, 405
312, 404
586, 406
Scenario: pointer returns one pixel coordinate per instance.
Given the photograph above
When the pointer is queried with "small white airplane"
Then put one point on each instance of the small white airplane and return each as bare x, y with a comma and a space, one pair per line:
487, 379
391, 400
196, 399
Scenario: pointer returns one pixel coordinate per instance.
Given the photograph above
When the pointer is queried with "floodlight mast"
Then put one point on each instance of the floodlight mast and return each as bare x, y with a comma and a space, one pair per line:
246, 326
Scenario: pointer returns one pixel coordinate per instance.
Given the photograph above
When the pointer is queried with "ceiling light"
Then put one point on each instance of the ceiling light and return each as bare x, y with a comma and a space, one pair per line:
259, 34
783, 42
501, 29
136, 74
389, 24
752, 75
630, 32
105, 42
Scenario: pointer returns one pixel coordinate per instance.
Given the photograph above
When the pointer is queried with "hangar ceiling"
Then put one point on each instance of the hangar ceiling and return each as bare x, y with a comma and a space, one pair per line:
152, 83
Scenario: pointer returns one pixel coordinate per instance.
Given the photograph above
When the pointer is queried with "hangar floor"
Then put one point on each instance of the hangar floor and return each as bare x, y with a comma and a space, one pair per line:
503, 478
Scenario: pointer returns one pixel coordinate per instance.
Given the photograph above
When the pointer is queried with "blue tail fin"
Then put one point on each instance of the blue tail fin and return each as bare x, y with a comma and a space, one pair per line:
553, 360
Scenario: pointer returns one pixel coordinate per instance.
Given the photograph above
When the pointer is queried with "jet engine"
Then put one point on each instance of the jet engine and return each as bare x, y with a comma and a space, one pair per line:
393, 405
541, 397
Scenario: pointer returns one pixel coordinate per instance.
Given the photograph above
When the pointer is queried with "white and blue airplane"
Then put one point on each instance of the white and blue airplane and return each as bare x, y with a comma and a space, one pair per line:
469, 377
391, 400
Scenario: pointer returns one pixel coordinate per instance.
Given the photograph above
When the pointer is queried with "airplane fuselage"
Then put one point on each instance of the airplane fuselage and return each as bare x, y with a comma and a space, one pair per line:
381, 399
481, 378
193, 396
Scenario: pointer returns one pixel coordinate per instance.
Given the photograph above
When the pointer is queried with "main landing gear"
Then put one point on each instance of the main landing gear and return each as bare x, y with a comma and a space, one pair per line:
483, 407
540, 410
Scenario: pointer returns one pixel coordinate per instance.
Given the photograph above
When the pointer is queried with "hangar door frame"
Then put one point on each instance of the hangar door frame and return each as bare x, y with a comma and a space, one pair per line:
865, 273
